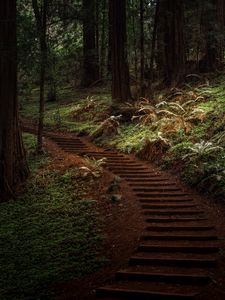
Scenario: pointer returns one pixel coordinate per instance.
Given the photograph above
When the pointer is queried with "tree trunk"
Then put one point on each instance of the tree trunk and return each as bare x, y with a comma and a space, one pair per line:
97, 20
103, 40
153, 45
221, 27
174, 51
120, 71
41, 20
13, 166
135, 46
90, 51
212, 23
109, 64
142, 54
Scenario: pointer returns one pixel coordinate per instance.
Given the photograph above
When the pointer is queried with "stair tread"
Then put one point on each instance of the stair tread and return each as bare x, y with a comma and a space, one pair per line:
151, 289
169, 219
175, 276
180, 227
176, 255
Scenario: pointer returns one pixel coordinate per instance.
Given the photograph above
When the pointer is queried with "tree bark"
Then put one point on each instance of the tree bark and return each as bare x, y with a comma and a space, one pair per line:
90, 51
13, 166
109, 63
221, 27
142, 54
174, 51
103, 40
153, 45
120, 71
212, 24
41, 20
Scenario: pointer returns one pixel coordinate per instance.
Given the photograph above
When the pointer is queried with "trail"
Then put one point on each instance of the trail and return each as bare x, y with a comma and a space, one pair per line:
179, 248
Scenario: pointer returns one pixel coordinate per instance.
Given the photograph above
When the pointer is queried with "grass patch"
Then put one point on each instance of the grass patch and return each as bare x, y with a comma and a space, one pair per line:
71, 111
51, 233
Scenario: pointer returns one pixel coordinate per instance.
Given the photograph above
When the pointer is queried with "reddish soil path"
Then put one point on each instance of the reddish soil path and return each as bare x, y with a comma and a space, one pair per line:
179, 255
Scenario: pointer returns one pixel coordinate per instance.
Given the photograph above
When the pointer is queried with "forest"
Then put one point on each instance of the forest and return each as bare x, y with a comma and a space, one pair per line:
112, 149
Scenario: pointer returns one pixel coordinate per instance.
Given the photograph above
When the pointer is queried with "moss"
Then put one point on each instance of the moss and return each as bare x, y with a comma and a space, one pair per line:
131, 137
50, 234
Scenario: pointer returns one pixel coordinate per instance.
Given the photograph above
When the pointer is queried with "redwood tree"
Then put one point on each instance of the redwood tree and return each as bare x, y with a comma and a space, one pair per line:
13, 166
120, 71
142, 54
40, 11
90, 44
172, 16
221, 29
213, 26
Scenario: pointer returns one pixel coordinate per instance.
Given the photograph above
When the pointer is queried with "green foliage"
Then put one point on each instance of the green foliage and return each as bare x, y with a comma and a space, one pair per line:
93, 167
35, 161
108, 128
50, 234
184, 118
202, 151
130, 137
114, 185
72, 110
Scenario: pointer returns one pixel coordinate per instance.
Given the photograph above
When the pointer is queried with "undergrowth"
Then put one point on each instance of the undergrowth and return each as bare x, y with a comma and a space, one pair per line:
186, 119
35, 161
50, 234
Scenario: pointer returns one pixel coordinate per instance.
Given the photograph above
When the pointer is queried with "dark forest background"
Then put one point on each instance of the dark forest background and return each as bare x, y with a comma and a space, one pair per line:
143, 77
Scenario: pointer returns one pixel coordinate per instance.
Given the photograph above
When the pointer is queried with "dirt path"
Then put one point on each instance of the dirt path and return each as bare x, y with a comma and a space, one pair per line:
180, 253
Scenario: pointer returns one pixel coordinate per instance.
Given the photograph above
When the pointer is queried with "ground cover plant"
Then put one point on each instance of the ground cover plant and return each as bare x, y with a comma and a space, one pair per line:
187, 124
51, 233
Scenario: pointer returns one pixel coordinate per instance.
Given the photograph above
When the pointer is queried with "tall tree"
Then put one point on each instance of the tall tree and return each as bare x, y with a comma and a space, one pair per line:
103, 40
120, 71
90, 44
153, 45
221, 28
212, 24
142, 61
172, 16
13, 166
40, 12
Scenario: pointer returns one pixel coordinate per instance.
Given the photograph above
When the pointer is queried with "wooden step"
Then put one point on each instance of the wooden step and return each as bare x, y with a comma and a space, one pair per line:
176, 261
149, 179
169, 219
166, 201
178, 248
158, 189
162, 194
169, 206
152, 184
125, 168
126, 291
176, 236
183, 278
123, 163
172, 212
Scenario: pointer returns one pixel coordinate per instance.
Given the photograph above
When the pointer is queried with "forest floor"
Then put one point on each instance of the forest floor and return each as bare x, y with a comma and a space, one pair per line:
122, 227
186, 126
64, 226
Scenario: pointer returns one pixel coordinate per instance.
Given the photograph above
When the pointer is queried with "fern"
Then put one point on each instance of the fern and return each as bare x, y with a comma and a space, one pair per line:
93, 167
202, 149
